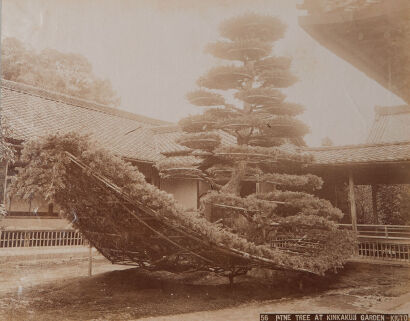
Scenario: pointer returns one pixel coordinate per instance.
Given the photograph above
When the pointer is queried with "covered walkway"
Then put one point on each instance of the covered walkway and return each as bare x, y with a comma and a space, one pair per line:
372, 165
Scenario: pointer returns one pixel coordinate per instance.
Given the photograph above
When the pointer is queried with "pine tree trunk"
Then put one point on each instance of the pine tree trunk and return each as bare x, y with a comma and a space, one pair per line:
234, 185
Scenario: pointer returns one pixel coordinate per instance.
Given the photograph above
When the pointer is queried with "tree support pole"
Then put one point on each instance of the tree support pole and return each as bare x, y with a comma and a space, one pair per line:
235, 272
90, 260
231, 278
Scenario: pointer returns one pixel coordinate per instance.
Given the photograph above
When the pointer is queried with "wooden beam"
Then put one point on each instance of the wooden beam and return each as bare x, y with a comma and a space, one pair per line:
352, 201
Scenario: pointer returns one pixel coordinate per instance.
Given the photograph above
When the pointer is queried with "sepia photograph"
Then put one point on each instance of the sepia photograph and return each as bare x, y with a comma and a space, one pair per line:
205, 160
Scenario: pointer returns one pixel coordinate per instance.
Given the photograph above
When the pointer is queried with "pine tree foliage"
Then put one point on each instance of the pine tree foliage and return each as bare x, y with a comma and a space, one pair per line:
244, 99
260, 115
47, 172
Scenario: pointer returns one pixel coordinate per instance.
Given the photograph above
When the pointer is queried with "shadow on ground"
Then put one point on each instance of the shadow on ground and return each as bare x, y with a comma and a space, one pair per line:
132, 293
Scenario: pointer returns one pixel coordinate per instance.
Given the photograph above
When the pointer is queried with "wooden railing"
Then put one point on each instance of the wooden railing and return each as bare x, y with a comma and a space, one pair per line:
383, 242
40, 238
377, 242
369, 231
25, 215
375, 249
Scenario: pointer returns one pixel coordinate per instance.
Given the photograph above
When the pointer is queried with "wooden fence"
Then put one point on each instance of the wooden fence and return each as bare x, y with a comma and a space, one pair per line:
40, 238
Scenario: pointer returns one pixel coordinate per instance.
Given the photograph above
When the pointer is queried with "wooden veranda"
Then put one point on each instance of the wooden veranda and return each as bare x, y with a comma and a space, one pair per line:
372, 165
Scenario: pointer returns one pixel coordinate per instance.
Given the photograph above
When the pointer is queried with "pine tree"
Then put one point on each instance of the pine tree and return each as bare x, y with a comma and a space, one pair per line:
301, 226
244, 101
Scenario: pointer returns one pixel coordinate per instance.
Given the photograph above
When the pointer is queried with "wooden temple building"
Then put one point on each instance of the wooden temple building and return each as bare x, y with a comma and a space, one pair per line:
383, 160
373, 36
31, 112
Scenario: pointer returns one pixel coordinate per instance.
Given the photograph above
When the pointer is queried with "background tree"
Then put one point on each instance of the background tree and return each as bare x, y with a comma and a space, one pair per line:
393, 203
327, 141
67, 73
244, 101
364, 204
7, 156
405, 203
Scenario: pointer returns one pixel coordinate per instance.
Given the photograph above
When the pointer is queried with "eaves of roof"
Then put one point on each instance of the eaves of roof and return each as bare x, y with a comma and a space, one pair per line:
361, 154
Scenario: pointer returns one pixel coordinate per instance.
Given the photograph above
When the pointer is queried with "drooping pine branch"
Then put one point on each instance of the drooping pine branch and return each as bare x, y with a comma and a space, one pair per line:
49, 173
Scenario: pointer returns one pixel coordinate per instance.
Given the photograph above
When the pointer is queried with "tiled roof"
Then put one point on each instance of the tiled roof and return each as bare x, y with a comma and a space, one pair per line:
366, 153
391, 124
33, 112
184, 161
166, 142
73, 101
346, 155
316, 6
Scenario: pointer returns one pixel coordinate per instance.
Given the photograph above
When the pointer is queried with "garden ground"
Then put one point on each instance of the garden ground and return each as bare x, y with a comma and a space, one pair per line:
59, 289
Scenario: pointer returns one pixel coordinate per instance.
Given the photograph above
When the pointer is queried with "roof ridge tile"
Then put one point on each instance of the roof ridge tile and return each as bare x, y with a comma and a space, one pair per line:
356, 146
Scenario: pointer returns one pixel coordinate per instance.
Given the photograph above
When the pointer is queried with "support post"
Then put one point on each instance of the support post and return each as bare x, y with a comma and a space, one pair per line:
335, 195
258, 184
90, 260
5, 184
352, 201
374, 204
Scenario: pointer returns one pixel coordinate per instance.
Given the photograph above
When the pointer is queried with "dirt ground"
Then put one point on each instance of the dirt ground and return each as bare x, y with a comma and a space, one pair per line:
58, 289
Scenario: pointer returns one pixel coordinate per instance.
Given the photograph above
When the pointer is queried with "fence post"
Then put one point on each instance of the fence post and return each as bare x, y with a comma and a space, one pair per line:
386, 233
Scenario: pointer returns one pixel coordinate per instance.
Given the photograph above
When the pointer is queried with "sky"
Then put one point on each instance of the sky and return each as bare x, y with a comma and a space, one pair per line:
152, 51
